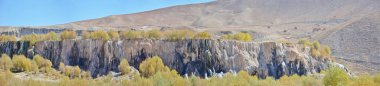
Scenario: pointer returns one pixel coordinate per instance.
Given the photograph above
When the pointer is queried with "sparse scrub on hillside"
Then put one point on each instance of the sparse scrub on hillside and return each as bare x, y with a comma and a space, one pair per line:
68, 34
245, 37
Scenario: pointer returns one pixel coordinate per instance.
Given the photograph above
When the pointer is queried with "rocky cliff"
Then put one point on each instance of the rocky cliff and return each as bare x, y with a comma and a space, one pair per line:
198, 57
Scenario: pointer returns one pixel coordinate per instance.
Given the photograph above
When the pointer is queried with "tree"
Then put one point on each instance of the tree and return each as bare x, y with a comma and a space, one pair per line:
47, 66
131, 34
151, 66
76, 71
62, 67
40, 61
154, 34
86, 35
68, 35
100, 35
5, 62
124, 67
21, 63
245, 37
52, 36
203, 35
316, 45
335, 77
5, 38
114, 35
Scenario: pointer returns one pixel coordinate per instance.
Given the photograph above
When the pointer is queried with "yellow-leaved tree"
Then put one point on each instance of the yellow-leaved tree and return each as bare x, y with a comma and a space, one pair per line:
151, 66
124, 67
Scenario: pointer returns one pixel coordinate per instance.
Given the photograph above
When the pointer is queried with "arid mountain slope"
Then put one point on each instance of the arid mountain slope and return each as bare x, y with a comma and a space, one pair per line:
228, 13
351, 27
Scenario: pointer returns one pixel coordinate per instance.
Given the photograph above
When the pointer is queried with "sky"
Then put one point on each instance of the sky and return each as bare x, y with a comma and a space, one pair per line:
51, 12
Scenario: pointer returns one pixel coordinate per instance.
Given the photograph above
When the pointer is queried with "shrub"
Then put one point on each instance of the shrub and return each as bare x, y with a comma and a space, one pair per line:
364, 81
335, 77
52, 36
124, 67
151, 66
316, 45
21, 63
131, 34
62, 67
86, 35
76, 71
5, 38
40, 61
5, 62
246, 37
33, 38
100, 35
304, 41
203, 35
179, 34
114, 35
68, 35
154, 34
47, 66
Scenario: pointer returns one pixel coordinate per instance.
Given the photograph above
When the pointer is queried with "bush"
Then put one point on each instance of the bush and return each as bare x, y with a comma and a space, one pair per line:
151, 66
33, 38
132, 34
100, 35
124, 67
86, 35
316, 45
52, 36
62, 67
6, 38
5, 62
179, 34
246, 37
21, 63
40, 61
336, 77
68, 35
154, 34
305, 42
76, 71
364, 81
114, 35
203, 35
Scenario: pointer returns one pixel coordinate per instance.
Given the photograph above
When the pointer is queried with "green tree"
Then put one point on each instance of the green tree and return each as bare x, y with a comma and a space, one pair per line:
151, 66
5, 62
124, 67
336, 77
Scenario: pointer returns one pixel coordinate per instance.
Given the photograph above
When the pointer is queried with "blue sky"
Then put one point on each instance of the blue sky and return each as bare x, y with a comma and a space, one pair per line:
50, 12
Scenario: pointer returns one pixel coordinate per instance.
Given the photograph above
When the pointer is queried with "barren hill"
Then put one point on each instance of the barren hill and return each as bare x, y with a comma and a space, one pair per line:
351, 27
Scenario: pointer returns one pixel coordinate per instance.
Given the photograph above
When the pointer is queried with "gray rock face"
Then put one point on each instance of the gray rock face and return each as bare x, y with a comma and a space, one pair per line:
199, 57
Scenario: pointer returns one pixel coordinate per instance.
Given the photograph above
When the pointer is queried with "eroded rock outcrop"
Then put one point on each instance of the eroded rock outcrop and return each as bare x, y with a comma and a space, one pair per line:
198, 57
